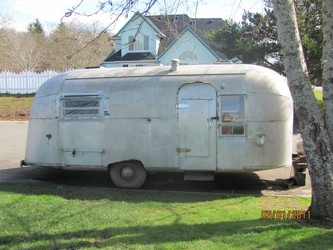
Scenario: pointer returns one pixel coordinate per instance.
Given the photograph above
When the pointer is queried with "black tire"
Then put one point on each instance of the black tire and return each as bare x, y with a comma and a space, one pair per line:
128, 174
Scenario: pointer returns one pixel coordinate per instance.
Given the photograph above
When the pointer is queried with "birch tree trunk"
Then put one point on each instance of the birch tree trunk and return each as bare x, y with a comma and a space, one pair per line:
316, 141
327, 59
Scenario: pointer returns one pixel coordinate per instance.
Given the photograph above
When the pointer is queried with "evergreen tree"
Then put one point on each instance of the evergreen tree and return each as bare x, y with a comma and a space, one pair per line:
36, 28
254, 39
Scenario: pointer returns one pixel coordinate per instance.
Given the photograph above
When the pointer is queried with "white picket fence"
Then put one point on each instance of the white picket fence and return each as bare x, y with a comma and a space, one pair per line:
25, 82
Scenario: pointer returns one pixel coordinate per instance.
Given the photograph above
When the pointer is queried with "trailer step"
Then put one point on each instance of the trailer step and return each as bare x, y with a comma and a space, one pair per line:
198, 176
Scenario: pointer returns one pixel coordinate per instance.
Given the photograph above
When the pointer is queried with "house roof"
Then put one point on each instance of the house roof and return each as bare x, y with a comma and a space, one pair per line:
131, 56
169, 28
136, 16
188, 29
173, 25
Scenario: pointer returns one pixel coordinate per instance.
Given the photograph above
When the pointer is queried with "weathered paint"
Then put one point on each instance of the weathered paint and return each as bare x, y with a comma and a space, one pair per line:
168, 120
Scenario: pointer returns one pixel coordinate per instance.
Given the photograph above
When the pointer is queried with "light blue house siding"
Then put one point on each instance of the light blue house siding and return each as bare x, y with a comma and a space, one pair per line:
189, 49
139, 43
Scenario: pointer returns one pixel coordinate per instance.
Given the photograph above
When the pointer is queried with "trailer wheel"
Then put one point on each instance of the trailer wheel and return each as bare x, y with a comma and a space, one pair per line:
128, 174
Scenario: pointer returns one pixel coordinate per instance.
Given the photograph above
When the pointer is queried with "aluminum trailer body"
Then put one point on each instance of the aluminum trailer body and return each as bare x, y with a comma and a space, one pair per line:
189, 118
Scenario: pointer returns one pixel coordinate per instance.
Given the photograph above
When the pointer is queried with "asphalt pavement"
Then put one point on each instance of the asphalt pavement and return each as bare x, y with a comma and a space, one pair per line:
13, 136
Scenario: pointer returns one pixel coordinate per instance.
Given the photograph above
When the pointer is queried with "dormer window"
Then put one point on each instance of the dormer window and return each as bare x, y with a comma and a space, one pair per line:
138, 43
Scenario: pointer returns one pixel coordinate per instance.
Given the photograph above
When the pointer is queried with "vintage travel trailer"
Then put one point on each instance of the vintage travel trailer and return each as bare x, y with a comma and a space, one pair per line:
197, 119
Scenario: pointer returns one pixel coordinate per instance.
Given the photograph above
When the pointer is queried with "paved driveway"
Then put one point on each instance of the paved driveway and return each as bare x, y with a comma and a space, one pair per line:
13, 137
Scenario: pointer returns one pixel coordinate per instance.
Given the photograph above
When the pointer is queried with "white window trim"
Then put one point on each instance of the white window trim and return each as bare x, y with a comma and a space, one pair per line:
144, 40
61, 109
232, 123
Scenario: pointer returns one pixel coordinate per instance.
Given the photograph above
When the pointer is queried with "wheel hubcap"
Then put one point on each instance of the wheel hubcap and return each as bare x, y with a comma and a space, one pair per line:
127, 173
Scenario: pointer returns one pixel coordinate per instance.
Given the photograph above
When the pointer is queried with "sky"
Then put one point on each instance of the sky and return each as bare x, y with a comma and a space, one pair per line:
50, 12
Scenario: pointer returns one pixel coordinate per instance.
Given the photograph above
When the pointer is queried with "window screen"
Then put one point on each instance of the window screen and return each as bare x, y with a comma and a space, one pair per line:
232, 115
81, 106
130, 43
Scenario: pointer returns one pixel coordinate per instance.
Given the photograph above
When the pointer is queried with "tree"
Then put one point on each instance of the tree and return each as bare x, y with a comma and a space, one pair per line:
254, 40
36, 28
317, 143
74, 45
4, 40
327, 67
25, 54
309, 15
37, 38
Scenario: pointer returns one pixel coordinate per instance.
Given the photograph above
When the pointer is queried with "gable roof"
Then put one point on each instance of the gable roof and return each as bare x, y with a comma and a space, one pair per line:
131, 56
173, 25
169, 28
136, 16
188, 29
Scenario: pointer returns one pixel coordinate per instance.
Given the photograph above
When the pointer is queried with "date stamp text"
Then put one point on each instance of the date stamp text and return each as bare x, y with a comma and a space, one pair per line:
285, 214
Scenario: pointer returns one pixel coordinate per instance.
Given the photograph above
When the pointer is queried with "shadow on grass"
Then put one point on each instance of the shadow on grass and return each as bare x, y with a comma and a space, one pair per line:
252, 234
114, 194
70, 184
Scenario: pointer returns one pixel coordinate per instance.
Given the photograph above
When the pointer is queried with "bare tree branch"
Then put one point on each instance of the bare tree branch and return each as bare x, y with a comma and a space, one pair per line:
124, 10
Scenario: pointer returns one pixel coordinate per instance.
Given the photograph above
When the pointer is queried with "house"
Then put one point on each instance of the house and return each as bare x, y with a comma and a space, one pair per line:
156, 40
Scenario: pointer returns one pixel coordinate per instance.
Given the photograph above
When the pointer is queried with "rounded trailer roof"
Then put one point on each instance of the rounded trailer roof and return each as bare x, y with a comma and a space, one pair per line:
255, 75
212, 69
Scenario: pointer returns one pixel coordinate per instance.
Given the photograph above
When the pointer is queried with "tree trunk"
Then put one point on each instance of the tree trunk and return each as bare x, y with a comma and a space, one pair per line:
327, 60
316, 141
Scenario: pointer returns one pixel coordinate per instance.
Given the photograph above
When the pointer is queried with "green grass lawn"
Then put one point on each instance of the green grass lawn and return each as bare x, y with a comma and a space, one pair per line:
36, 216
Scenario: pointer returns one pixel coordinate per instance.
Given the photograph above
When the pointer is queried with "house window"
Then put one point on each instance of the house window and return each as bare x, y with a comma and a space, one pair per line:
188, 55
232, 115
138, 43
145, 42
80, 107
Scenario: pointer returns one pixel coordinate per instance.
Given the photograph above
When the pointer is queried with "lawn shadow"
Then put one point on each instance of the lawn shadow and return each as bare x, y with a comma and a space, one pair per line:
219, 233
83, 184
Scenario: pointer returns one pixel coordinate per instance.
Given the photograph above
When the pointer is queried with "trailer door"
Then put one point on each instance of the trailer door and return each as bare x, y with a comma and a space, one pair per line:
197, 127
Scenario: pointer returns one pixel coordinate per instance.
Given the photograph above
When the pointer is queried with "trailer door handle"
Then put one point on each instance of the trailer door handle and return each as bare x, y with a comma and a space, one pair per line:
211, 120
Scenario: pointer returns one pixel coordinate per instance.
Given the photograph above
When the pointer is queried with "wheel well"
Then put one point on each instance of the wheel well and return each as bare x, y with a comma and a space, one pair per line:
127, 161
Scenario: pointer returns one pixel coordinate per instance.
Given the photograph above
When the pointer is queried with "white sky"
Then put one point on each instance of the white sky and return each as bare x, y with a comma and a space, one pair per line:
50, 12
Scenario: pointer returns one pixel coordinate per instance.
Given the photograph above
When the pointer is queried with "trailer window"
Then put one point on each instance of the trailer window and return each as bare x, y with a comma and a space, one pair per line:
232, 115
81, 106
